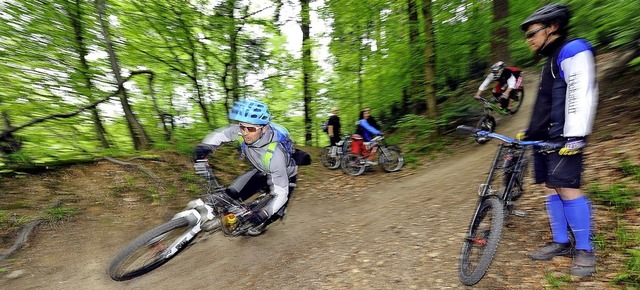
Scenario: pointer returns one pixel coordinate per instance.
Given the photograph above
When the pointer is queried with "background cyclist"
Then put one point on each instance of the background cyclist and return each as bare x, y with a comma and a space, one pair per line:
507, 81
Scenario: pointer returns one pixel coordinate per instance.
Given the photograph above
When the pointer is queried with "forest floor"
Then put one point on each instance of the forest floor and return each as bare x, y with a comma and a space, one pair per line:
399, 230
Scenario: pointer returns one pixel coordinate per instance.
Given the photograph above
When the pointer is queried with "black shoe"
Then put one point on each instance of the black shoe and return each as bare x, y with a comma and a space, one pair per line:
584, 263
551, 250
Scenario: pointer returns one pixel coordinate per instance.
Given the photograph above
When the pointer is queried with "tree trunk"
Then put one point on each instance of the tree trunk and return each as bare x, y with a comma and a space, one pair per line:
429, 65
233, 51
75, 15
414, 33
500, 38
307, 68
140, 138
8, 144
161, 115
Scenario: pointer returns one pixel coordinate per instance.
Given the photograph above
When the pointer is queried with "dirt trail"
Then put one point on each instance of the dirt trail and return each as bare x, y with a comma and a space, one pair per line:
403, 232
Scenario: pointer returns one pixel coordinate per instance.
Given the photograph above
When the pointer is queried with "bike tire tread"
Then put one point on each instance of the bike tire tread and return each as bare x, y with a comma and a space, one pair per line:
489, 250
141, 241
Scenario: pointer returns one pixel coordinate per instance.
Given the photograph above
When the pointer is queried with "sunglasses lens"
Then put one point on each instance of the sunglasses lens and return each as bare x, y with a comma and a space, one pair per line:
250, 128
532, 33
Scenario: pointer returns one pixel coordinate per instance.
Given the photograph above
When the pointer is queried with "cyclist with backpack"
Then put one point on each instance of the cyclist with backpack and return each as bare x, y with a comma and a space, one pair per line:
508, 81
268, 148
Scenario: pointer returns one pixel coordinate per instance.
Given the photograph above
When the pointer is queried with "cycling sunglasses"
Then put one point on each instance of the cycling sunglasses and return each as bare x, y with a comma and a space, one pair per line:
532, 33
251, 129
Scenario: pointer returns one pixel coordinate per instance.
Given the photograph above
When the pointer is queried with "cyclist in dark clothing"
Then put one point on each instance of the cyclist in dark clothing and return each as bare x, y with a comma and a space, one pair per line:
333, 126
564, 112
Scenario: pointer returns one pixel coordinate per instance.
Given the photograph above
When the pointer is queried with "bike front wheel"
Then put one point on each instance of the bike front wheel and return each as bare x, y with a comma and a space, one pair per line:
390, 160
486, 123
331, 162
516, 102
149, 251
353, 165
482, 241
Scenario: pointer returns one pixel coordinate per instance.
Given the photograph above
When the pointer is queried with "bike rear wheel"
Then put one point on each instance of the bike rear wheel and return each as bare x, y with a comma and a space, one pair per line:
353, 165
390, 160
482, 241
486, 123
516, 102
331, 162
149, 251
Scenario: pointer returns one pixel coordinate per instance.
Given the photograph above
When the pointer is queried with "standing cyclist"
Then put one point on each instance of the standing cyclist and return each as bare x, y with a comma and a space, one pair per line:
564, 112
508, 80
273, 166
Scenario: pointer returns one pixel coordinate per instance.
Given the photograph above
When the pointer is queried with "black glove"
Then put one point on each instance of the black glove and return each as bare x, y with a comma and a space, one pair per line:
203, 150
256, 218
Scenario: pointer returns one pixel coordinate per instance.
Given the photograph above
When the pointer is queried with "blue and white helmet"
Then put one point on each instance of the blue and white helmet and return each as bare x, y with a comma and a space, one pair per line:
250, 111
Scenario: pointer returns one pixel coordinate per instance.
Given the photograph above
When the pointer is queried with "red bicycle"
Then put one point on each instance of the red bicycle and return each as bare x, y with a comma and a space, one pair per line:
389, 157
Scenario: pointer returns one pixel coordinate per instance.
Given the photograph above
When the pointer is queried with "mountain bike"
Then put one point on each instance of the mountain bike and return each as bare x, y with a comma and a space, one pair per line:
214, 211
389, 158
487, 122
497, 195
331, 155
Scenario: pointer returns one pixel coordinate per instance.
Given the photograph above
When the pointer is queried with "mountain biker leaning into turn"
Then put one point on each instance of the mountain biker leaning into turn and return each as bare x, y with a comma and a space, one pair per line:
508, 80
257, 131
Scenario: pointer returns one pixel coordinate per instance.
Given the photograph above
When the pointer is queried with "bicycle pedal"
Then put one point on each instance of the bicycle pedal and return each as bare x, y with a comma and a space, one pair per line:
519, 213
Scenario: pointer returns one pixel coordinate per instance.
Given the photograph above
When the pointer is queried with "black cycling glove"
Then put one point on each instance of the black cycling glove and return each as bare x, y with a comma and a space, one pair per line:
204, 150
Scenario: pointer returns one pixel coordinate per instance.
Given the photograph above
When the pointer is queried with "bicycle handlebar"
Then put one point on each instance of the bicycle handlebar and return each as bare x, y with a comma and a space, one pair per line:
543, 145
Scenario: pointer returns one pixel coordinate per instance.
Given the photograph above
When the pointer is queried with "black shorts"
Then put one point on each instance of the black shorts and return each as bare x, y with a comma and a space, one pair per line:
557, 170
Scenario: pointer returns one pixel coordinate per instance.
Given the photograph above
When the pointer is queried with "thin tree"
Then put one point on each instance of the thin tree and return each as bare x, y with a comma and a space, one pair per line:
414, 34
74, 12
430, 61
500, 33
307, 68
138, 134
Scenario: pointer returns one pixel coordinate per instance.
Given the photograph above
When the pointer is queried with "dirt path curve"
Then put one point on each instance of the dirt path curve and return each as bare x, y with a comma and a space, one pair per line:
403, 232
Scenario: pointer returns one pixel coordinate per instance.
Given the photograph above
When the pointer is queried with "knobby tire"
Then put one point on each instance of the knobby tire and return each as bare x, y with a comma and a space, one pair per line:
121, 267
352, 165
328, 161
482, 243
486, 123
514, 109
391, 162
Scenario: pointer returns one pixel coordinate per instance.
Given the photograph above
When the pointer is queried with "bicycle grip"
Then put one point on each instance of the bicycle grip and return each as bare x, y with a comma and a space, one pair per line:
469, 129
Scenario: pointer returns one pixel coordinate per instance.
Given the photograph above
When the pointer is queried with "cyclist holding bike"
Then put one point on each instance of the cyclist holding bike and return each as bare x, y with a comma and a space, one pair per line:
564, 112
273, 167
367, 128
508, 81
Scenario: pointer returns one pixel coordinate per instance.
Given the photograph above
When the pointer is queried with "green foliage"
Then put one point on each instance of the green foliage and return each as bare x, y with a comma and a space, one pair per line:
418, 132
198, 71
600, 242
556, 281
630, 170
624, 238
618, 196
631, 277
59, 212
4, 216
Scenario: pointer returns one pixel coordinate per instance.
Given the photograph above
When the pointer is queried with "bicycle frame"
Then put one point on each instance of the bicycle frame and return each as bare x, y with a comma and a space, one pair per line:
495, 202
503, 163
490, 106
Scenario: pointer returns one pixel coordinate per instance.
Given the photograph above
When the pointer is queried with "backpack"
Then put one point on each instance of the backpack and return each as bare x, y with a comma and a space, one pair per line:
325, 127
515, 71
281, 136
